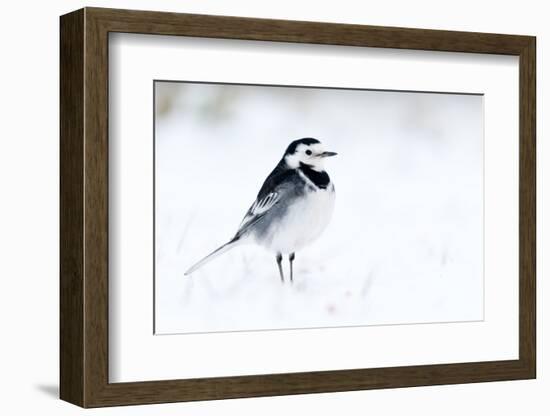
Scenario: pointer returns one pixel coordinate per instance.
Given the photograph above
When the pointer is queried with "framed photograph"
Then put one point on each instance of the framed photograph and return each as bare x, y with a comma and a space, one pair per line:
255, 207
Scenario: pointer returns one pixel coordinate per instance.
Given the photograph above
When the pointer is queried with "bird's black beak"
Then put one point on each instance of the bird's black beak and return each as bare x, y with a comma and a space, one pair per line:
328, 154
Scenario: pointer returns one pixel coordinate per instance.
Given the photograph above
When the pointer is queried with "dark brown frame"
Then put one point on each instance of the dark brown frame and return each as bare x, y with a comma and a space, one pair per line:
84, 209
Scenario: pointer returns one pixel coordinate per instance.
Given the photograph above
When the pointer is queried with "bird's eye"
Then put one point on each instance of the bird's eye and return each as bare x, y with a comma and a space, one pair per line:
308, 152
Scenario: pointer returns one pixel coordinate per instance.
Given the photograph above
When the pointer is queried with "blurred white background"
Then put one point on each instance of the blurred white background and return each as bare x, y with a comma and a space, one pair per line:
405, 244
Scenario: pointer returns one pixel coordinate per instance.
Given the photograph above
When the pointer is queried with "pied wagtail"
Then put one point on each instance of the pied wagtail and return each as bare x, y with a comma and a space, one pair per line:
293, 207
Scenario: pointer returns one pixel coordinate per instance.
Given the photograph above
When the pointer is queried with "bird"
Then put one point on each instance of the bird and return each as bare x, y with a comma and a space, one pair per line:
292, 209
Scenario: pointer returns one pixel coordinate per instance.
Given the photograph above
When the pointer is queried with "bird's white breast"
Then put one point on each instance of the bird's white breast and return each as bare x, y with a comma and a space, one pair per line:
304, 221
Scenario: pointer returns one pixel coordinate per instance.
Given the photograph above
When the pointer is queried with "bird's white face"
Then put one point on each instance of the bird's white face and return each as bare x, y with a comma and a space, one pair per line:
313, 155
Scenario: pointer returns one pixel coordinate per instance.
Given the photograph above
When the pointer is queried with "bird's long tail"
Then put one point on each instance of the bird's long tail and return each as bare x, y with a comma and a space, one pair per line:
220, 250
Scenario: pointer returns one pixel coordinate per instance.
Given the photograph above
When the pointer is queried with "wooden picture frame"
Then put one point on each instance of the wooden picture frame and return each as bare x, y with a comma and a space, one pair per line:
84, 207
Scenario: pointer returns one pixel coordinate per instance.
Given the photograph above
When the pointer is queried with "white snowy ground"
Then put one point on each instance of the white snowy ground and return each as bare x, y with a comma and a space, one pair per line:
406, 241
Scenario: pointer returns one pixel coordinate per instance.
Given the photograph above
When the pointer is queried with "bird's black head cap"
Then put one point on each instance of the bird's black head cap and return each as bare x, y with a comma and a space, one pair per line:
306, 140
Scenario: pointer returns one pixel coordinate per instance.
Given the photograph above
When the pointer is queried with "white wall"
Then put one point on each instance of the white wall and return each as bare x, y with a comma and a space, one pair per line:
29, 207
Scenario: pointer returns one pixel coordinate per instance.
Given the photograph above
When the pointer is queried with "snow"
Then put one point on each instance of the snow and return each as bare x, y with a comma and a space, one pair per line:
405, 244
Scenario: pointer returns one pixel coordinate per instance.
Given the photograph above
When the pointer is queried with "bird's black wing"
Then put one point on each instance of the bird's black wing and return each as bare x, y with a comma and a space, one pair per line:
269, 195
281, 173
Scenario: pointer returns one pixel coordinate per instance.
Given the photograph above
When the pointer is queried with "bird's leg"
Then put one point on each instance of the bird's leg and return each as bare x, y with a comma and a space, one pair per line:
291, 260
279, 259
